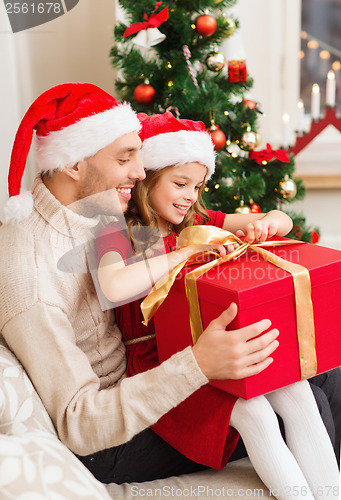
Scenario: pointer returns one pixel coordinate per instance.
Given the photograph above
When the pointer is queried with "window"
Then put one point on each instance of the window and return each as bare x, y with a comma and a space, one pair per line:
320, 47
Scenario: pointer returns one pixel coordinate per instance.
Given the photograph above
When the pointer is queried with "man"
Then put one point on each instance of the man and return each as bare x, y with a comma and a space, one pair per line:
52, 320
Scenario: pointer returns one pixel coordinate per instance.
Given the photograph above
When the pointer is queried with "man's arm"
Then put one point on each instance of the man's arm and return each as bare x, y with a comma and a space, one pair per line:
88, 419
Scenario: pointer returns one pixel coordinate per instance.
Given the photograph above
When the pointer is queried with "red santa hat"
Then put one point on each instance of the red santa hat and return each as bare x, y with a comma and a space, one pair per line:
72, 122
169, 141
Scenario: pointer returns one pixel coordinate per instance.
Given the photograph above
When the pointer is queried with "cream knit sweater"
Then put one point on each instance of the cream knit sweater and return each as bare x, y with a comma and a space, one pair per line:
70, 348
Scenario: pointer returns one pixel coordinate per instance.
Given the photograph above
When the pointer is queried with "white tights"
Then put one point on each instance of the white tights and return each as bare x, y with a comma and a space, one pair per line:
304, 468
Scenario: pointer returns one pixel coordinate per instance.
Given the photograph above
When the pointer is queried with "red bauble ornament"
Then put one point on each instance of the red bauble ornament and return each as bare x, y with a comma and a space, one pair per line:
206, 25
144, 93
218, 137
315, 236
254, 208
248, 103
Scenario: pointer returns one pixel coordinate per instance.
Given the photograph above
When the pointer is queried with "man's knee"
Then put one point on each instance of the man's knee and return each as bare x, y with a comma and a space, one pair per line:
324, 409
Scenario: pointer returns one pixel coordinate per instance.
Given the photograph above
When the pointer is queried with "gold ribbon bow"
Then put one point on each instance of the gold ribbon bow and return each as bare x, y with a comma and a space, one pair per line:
198, 235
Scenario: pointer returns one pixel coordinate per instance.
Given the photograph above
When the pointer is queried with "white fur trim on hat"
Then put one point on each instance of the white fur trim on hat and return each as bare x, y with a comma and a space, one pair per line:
66, 147
177, 148
17, 208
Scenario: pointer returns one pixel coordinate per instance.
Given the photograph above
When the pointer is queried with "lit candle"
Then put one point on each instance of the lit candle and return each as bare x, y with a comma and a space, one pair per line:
300, 117
331, 89
286, 130
315, 102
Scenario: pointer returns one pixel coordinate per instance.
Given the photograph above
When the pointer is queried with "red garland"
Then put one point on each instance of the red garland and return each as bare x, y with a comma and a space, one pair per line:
268, 154
153, 21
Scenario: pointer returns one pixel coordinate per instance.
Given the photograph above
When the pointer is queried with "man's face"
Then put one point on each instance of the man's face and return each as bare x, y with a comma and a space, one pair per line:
112, 172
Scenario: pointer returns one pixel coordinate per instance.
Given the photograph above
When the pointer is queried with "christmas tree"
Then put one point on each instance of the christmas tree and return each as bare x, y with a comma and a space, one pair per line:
169, 59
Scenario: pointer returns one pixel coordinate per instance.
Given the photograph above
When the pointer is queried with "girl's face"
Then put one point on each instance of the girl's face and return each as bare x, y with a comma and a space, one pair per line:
175, 192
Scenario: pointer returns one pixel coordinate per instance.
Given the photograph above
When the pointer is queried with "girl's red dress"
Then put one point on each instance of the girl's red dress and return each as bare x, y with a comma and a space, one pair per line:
199, 426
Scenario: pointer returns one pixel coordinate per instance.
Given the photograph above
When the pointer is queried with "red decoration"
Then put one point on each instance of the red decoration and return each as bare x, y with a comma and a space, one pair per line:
315, 238
218, 137
144, 93
255, 209
206, 25
248, 103
316, 128
266, 286
269, 154
237, 71
153, 21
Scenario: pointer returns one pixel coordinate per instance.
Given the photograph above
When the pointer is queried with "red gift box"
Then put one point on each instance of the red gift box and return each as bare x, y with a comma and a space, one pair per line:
237, 71
261, 290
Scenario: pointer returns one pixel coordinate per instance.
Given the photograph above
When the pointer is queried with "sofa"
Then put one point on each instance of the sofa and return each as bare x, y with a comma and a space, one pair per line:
35, 465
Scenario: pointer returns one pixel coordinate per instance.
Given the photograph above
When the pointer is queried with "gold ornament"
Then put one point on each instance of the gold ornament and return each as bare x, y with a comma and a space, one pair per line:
258, 139
215, 61
249, 140
288, 187
242, 209
230, 27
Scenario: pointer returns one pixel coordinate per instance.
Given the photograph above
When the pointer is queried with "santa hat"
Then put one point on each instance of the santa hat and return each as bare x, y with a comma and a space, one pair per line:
72, 122
169, 141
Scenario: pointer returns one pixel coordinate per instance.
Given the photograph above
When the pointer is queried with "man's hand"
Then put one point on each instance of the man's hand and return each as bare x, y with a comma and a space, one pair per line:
235, 354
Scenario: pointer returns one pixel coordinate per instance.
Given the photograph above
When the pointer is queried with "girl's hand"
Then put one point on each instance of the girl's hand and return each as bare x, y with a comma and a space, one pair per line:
259, 230
272, 224
194, 249
221, 250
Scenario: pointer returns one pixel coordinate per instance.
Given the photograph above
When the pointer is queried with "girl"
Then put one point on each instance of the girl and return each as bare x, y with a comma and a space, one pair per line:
178, 156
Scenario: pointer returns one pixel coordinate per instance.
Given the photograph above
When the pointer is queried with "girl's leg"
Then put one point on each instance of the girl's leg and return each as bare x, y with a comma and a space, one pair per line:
257, 424
307, 438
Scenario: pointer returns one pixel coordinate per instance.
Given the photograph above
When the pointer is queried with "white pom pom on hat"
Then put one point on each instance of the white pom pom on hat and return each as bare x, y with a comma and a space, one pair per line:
170, 141
72, 122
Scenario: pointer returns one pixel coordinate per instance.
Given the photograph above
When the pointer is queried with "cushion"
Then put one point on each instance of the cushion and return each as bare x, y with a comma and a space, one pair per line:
34, 464
21, 409
237, 480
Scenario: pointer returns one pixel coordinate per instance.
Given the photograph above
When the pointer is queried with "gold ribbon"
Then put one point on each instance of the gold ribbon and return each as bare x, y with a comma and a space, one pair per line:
211, 235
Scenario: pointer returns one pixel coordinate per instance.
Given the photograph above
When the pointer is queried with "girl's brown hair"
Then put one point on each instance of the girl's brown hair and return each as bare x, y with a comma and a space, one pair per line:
140, 213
